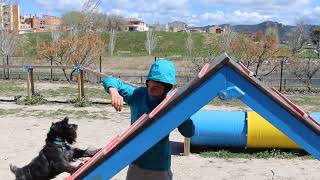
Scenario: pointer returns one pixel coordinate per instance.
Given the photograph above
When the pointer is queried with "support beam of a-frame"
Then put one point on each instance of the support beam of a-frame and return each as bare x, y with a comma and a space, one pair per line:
303, 130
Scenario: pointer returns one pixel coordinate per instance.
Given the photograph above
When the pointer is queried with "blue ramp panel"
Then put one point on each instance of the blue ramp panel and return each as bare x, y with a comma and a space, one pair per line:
221, 77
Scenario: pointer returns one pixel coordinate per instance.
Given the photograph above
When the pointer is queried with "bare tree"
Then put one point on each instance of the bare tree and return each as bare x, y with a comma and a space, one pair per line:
255, 50
296, 39
116, 22
189, 43
305, 70
55, 34
213, 44
7, 35
7, 42
90, 9
112, 42
150, 40
227, 38
315, 39
72, 50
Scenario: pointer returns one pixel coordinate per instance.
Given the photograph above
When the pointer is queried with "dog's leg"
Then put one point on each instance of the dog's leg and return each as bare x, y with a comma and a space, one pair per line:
77, 153
64, 167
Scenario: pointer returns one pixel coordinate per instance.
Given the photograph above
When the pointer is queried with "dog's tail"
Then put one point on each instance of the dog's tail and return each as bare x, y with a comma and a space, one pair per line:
13, 168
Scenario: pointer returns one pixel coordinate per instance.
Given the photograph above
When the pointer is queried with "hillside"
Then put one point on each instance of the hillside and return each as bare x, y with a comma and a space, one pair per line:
283, 29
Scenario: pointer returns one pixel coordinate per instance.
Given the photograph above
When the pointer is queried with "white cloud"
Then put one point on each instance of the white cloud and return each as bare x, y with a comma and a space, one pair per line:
236, 17
153, 11
200, 12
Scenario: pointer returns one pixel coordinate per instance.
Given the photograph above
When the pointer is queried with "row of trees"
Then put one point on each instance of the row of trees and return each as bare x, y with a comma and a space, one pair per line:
82, 44
263, 54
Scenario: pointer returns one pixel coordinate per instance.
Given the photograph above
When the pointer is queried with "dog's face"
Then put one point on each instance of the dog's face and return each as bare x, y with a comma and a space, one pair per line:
62, 129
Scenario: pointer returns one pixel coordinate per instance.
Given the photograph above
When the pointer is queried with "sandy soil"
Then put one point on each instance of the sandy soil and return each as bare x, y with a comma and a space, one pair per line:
23, 132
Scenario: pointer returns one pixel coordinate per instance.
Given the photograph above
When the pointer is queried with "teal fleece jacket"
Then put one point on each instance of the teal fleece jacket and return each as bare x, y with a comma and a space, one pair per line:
158, 157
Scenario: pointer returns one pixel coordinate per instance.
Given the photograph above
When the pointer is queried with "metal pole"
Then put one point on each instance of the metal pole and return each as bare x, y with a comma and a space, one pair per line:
100, 68
8, 70
281, 74
4, 69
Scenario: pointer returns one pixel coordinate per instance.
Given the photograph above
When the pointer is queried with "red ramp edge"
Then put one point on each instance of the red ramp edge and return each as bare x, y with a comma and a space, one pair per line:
295, 107
106, 149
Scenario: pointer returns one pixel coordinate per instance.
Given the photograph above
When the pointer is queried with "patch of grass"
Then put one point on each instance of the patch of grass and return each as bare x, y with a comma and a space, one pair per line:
82, 102
231, 102
83, 114
96, 93
62, 91
256, 154
11, 87
5, 112
306, 100
49, 113
36, 99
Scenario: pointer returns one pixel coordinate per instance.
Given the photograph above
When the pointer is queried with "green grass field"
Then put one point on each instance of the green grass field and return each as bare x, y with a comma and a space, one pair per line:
130, 44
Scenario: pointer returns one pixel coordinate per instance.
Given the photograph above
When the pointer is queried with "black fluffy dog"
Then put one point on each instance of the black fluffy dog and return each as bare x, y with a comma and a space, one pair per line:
56, 155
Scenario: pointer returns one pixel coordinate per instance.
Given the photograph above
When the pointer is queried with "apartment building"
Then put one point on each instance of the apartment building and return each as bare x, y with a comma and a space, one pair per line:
9, 17
45, 23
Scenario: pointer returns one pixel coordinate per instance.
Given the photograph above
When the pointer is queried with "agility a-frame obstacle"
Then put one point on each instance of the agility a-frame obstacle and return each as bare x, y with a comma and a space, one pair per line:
224, 78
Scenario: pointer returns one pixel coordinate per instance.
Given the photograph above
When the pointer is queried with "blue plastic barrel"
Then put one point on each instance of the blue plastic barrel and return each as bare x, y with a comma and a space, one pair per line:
220, 128
316, 115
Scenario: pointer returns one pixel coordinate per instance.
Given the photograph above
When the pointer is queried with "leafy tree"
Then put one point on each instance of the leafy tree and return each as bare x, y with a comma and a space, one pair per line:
315, 39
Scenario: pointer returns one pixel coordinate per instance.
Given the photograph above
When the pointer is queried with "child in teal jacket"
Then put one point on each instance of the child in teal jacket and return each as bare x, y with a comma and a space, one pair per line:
156, 162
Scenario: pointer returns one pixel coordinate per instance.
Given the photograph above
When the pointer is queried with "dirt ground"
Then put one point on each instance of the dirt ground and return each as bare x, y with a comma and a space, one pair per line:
24, 128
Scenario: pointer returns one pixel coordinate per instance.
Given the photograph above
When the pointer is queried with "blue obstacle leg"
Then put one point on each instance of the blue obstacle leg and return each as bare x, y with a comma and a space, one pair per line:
276, 115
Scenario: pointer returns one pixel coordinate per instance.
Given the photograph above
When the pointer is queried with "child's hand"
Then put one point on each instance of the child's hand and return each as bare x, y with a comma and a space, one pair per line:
116, 99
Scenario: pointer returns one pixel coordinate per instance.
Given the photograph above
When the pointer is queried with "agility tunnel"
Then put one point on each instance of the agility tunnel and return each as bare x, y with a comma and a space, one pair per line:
238, 129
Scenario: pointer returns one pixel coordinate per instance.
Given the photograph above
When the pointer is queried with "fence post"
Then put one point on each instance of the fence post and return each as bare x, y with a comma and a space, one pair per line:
30, 83
80, 82
8, 69
4, 68
281, 74
51, 63
100, 60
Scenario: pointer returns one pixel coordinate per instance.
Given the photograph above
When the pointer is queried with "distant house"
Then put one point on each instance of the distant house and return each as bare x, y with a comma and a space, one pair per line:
160, 27
136, 25
25, 24
198, 30
215, 30
177, 26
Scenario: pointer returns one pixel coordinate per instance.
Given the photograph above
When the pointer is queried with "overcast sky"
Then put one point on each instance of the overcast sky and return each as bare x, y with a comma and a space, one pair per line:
193, 12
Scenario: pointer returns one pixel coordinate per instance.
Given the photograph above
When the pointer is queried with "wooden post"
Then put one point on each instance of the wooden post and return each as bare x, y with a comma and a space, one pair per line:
80, 84
51, 63
186, 147
30, 83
